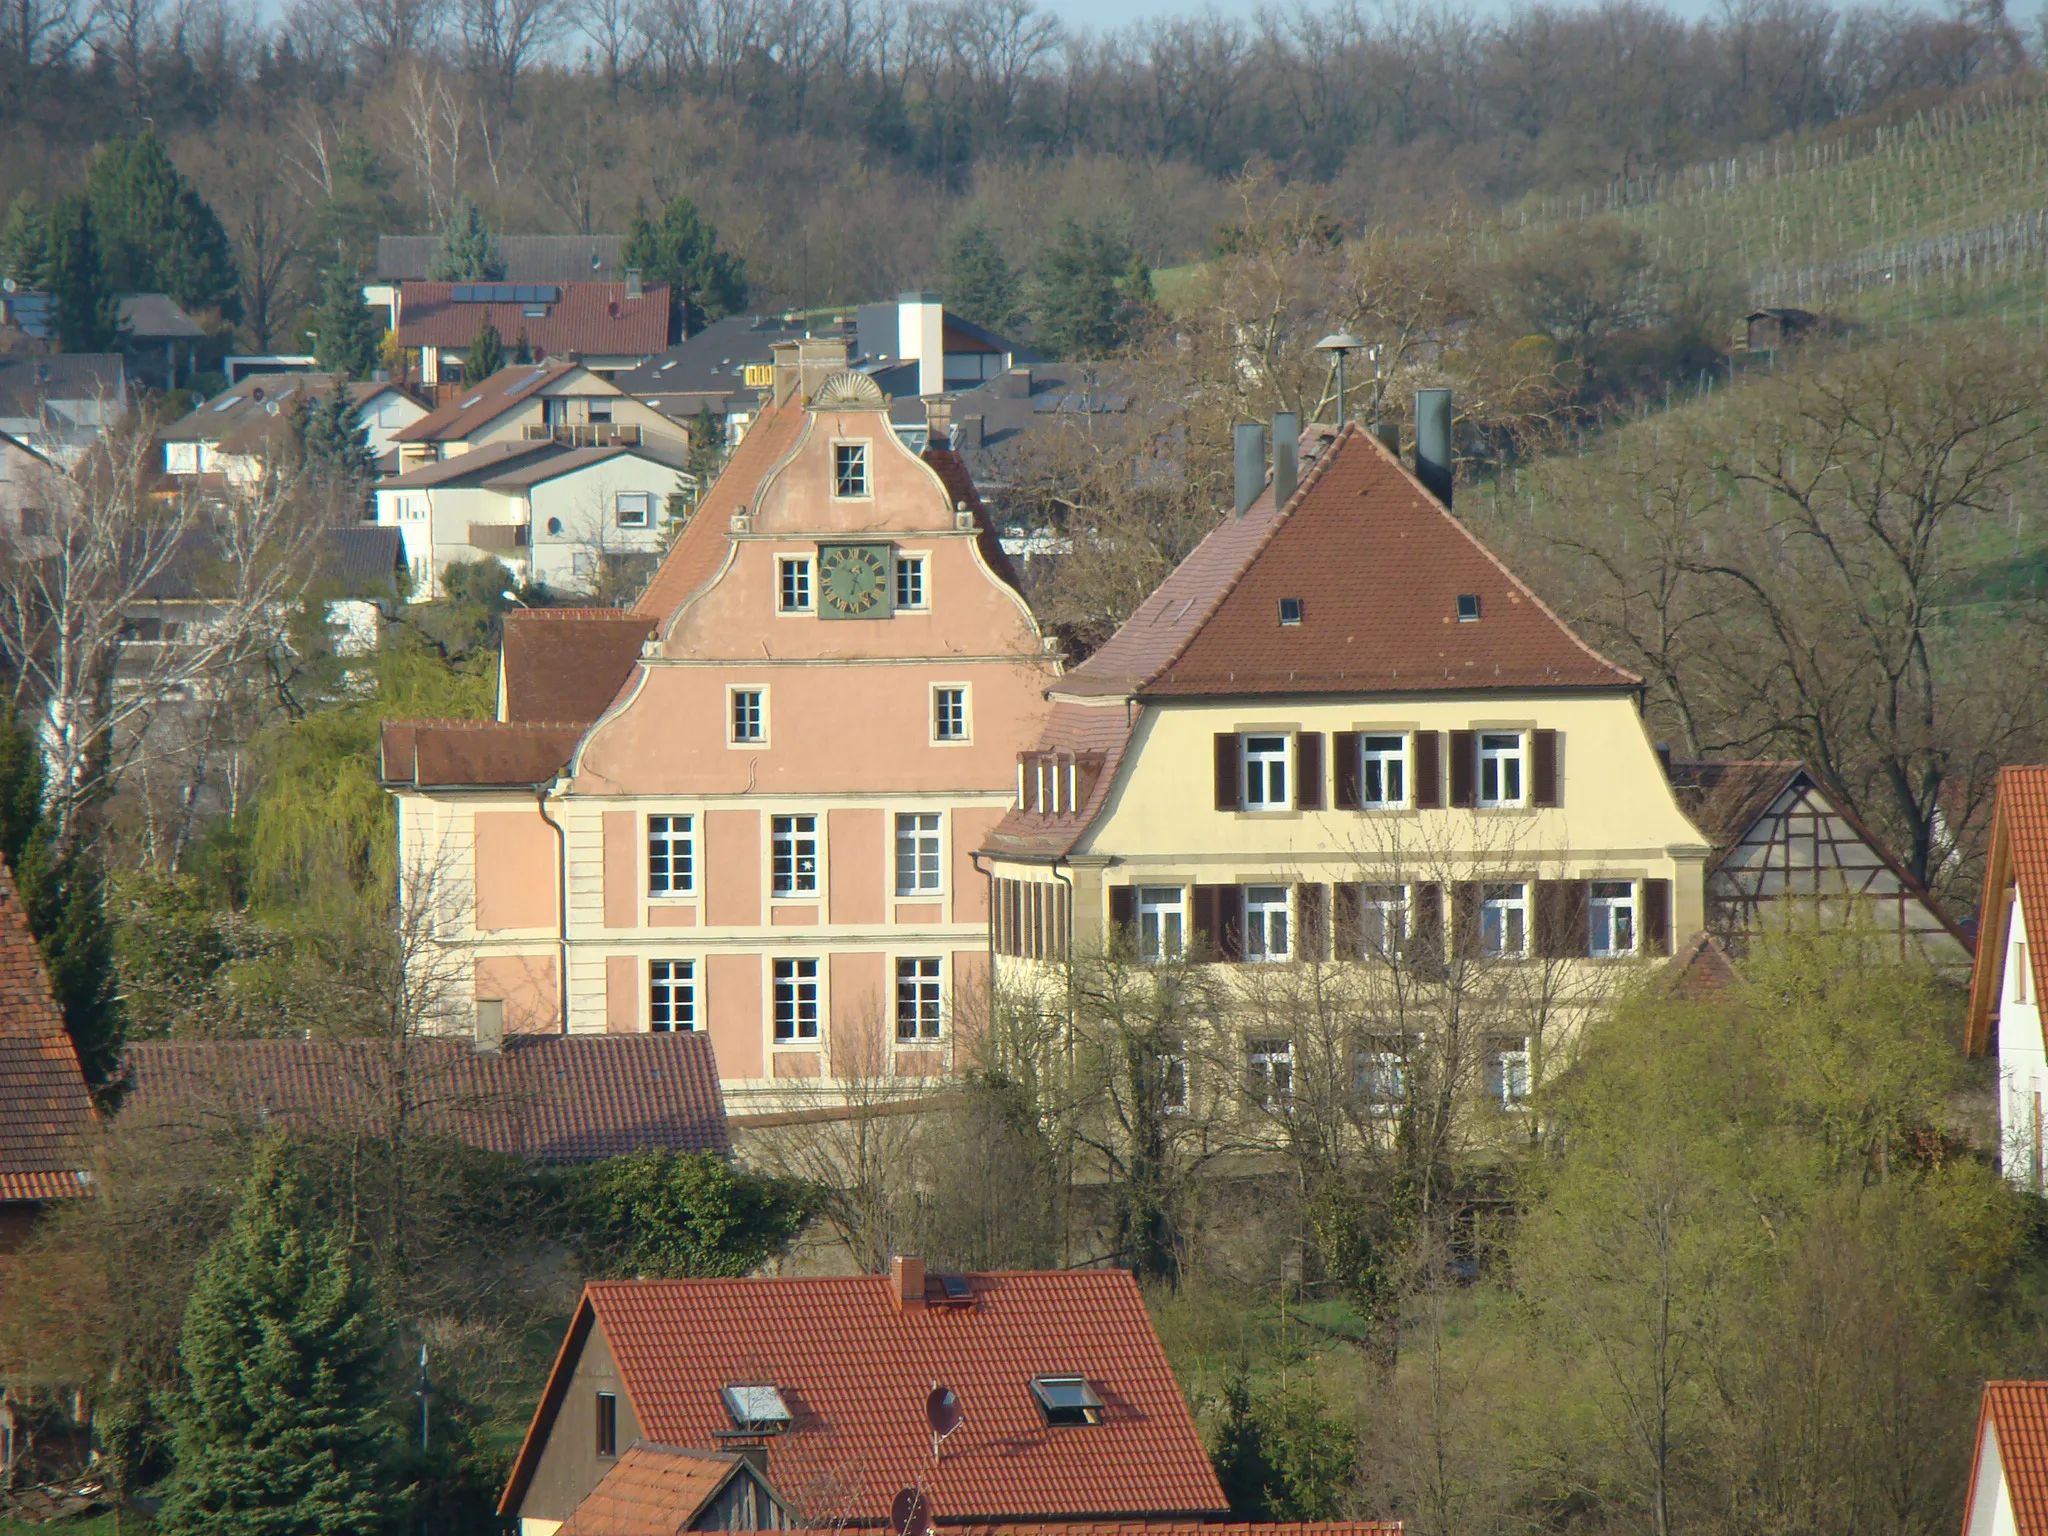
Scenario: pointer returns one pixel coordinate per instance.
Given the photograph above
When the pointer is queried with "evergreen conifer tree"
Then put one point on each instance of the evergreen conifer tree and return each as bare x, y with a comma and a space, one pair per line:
24, 240
348, 334
336, 439
156, 233
85, 313
469, 252
486, 354
1089, 291
277, 1426
680, 248
522, 349
979, 283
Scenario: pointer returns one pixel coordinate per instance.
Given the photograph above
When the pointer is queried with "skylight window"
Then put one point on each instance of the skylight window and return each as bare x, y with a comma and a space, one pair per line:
1468, 607
956, 1288
1067, 1400
757, 1408
472, 401
1290, 610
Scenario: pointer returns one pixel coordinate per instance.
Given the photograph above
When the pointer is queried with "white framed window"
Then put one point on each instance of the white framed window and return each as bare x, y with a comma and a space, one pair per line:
1611, 918
793, 589
1383, 772
671, 856
634, 509
796, 1000
949, 713
793, 855
1383, 921
920, 1000
1270, 1070
181, 458
1265, 773
1167, 1061
749, 715
1266, 929
1162, 922
1504, 921
1500, 767
671, 996
1379, 1074
918, 870
849, 469
910, 581
1507, 1070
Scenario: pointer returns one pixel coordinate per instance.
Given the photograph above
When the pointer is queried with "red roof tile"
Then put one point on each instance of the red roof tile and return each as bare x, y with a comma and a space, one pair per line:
2016, 1412
592, 318
427, 754
568, 663
473, 409
1700, 971
855, 1371
2018, 861
46, 1112
652, 1490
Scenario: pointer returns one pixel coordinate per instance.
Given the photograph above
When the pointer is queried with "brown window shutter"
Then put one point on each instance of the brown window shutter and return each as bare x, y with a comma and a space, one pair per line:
1312, 917
1230, 922
1123, 913
1543, 768
1562, 919
1308, 770
1465, 918
1344, 748
1426, 927
1229, 772
1429, 770
1203, 926
1465, 768
1348, 924
1656, 917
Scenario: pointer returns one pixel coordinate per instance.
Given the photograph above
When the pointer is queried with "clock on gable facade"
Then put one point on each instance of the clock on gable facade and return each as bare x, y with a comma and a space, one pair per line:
853, 581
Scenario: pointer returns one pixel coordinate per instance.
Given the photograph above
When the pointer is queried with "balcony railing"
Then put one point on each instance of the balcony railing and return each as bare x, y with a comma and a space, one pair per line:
498, 535
586, 434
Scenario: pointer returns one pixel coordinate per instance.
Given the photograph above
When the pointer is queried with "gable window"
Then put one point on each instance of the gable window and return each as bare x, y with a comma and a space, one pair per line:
917, 852
1504, 921
949, 714
671, 996
1380, 1074
910, 581
1162, 922
1270, 1066
1383, 921
919, 1002
796, 1000
607, 1424
1265, 923
1507, 1070
1265, 773
749, 714
1500, 767
671, 862
1611, 918
634, 509
849, 469
794, 592
1383, 772
794, 855
1067, 1400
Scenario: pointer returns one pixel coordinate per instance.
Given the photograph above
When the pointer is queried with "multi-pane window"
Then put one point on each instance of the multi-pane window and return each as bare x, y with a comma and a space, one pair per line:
794, 595
671, 996
1265, 773
1162, 921
1380, 1074
1383, 920
1271, 1069
1504, 921
1265, 923
793, 855
917, 852
1611, 918
796, 1000
1507, 1070
919, 1002
671, 869
949, 714
1383, 772
910, 581
634, 509
749, 714
1500, 767
849, 469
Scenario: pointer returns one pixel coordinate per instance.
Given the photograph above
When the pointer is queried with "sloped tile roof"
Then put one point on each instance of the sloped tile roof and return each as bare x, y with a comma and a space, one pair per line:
651, 1490
2017, 861
1724, 799
473, 409
1700, 970
1069, 728
568, 663
46, 1112
1191, 1528
538, 471
855, 1371
246, 413
481, 464
2017, 1412
591, 318
555, 1098
426, 754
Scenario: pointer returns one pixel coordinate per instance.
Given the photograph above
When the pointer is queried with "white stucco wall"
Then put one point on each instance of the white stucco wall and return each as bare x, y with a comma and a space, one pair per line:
1990, 1501
2022, 1060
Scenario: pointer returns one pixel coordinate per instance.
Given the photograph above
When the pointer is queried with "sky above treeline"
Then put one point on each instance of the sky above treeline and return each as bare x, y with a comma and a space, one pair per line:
1107, 15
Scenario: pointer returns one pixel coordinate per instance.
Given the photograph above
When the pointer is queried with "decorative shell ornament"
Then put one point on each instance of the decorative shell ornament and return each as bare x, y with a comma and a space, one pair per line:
848, 389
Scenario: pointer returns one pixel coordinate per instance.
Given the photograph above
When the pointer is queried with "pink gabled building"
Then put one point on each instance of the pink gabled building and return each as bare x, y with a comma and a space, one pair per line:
748, 805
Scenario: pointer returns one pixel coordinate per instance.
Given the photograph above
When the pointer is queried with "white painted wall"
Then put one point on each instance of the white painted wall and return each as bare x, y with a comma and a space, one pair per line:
575, 518
1991, 1511
2022, 1059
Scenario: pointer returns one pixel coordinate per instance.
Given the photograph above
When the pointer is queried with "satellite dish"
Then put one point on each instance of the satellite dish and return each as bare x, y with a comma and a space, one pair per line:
256, 393
942, 1411
910, 1513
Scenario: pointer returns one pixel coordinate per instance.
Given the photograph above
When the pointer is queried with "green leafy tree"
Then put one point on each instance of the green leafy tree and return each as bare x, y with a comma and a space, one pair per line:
978, 281
157, 234
359, 204
347, 333
86, 314
680, 248
335, 440
468, 252
25, 239
277, 1425
1089, 292
678, 1215
486, 354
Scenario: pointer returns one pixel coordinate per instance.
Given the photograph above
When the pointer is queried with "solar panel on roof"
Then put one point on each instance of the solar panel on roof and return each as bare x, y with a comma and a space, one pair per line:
461, 293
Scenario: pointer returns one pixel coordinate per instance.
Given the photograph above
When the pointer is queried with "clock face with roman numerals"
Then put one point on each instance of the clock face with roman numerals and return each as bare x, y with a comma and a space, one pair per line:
853, 581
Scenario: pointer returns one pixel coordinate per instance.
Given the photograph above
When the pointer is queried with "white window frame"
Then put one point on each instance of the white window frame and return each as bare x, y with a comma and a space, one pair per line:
1387, 906
1269, 1069
805, 883
866, 451
1504, 905
181, 458
1380, 1073
805, 584
663, 982
1510, 766
1156, 915
1390, 764
907, 562
1619, 898
920, 999
966, 734
1264, 760
645, 511
675, 841
733, 695
1507, 1067
920, 842
803, 990
1271, 909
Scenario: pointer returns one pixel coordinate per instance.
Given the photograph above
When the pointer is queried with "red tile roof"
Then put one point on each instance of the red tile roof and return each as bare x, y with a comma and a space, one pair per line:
2017, 862
855, 1371
2016, 1412
568, 663
652, 1490
46, 1112
555, 1098
595, 319
426, 754
1192, 1528
473, 409
1700, 971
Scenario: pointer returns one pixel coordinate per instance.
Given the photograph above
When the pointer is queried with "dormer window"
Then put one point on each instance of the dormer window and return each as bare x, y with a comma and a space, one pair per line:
1468, 607
1067, 1400
756, 1408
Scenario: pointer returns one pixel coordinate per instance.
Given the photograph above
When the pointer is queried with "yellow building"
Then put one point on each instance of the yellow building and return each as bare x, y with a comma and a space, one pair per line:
1342, 729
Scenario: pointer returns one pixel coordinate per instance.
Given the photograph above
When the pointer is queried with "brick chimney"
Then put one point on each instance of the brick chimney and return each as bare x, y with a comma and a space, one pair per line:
906, 1282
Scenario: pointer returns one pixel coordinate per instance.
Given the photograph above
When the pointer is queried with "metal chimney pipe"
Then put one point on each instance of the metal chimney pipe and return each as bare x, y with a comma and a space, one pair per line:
1433, 442
1286, 456
1250, 442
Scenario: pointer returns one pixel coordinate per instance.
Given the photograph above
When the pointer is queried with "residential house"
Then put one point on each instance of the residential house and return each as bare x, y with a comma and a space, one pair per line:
766, 780
1781, 836
660, 1490
1341, 728
225, 441
937, 351
363, 570
161, 340
61, 404
563, 402
725, 368
2005, 987
2009, 1470
46, 1110
24, 488
1069, 1409
566, 518
528, 259
604, 326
